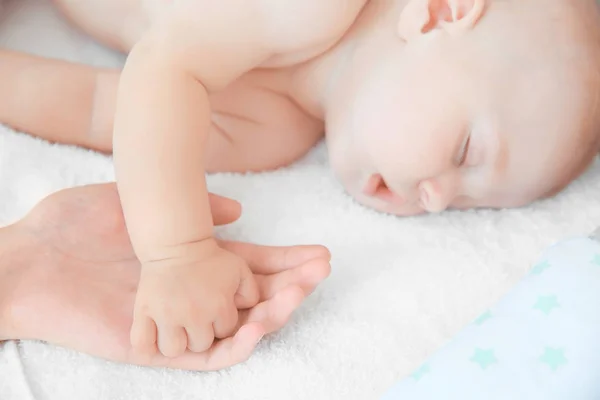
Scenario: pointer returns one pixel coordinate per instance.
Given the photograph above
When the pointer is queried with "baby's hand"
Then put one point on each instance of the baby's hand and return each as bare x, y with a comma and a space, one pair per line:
188, 301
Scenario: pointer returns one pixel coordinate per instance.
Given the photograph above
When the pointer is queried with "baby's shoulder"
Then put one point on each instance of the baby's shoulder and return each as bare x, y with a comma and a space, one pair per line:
297, 24
289, 25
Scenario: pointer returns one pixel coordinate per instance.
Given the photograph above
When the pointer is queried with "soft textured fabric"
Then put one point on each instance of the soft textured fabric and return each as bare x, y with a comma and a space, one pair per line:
400, 289
540, 342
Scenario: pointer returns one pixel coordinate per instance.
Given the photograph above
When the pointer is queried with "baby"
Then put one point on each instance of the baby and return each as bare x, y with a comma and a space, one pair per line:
426, 105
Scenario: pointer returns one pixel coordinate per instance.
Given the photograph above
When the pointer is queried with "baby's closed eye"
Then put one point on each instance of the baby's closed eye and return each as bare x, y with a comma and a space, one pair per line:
464, 151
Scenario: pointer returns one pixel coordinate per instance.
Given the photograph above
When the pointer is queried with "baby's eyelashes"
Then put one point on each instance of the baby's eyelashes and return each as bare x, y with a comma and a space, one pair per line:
463, 152
471, 153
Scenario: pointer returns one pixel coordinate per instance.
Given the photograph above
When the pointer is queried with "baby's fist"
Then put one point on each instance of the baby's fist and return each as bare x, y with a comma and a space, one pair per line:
189, 300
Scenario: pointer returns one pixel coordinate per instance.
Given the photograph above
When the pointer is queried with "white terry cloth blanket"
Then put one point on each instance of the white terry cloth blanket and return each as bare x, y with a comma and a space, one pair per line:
399, 290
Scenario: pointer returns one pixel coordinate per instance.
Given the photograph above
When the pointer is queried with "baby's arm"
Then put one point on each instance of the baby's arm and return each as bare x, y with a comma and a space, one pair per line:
188, 284
57, 100
161, 126
162, 116
162, 121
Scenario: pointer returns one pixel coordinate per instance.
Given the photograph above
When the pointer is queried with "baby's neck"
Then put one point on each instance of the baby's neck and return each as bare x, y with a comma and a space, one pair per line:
315, 81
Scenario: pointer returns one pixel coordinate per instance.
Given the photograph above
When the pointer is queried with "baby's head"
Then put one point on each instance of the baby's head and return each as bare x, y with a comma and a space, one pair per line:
466, 103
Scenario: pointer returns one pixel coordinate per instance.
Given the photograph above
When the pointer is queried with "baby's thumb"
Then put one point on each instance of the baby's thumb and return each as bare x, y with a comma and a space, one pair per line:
247, 295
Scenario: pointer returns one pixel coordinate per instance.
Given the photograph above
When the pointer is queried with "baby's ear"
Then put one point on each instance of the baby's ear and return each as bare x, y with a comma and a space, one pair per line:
454, 16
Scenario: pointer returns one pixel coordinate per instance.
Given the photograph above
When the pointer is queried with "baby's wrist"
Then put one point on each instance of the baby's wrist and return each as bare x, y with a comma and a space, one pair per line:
190, 251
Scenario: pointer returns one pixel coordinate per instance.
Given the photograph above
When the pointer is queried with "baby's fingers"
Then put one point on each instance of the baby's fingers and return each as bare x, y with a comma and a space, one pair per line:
199, 337
223, 354
172, 340
143, 335
247, 294
226, 322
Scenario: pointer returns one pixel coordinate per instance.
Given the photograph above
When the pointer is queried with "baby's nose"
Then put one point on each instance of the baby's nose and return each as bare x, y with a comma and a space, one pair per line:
433, 197
377, 188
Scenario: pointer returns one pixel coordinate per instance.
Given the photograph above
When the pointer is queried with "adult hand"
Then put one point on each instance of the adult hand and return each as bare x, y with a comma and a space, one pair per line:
71, 278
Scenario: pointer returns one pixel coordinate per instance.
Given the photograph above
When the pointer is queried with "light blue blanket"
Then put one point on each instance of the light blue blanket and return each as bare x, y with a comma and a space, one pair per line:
541, 342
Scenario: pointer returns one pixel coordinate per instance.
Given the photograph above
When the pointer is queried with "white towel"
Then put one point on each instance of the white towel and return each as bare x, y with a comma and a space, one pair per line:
400, 287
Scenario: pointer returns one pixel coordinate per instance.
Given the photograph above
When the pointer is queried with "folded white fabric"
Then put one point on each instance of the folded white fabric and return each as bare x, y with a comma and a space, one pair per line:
540, 342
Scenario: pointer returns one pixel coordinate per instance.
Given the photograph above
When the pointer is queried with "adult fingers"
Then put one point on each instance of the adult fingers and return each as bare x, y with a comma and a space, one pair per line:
272, 259
223, 354
306, 276
224, 210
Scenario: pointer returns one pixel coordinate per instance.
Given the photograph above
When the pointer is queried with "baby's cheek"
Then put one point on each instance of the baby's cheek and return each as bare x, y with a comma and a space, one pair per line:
339, 161
342, 159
